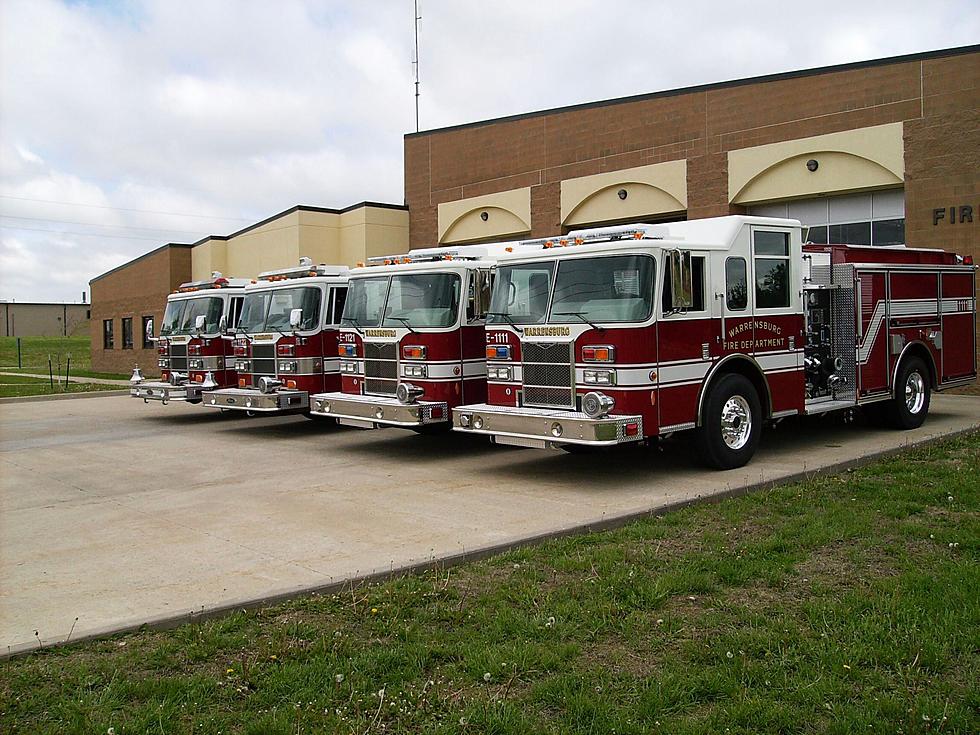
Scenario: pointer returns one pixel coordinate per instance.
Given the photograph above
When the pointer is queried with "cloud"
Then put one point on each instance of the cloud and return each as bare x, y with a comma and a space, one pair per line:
231, 110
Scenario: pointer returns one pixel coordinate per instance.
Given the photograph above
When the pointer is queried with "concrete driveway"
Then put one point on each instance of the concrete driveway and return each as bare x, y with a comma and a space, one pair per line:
118, 513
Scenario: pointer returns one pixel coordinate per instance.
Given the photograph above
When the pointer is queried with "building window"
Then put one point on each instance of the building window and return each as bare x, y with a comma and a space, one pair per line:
877, 218
147, 342
107, 338
127, 333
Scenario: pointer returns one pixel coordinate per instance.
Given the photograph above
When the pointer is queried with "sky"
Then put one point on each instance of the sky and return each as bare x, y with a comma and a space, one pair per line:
125, 124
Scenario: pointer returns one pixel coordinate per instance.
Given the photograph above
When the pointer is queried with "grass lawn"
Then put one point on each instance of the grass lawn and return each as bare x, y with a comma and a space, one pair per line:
35, 352
845, 604
19, 385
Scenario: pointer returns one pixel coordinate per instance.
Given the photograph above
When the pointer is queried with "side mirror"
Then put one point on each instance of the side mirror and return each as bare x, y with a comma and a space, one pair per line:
295, 318
149, 329
480, 290
223, 324
199, 322
681, 279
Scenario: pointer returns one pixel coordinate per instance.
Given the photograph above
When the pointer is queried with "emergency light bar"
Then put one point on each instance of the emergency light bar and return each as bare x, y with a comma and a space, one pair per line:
601, 234
216, 281
468, 253
304, 270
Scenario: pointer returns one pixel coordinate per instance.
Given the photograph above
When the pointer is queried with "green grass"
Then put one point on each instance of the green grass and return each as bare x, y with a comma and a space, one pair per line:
12, 386
35, 352
845, 604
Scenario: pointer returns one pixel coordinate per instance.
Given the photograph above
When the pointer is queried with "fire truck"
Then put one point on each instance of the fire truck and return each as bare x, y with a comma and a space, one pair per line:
285, 344
412, 342
625, 334
194, 353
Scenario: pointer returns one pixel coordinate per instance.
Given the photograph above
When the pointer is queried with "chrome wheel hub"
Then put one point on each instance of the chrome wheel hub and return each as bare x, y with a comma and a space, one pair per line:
915, 393
736, 422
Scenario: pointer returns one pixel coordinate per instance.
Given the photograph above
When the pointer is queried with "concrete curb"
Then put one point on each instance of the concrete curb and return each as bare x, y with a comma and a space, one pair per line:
65, 396
168, 622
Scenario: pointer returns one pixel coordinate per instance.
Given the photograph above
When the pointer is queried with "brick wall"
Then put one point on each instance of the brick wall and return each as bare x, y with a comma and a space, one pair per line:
126, 292
936, 97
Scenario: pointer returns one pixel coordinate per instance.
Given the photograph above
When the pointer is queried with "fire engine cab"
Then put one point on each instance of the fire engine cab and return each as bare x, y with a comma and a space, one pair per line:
285, 344
412, 342
194, 354
620, 334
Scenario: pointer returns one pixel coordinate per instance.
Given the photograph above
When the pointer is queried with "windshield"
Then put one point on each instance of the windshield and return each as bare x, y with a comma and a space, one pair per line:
365, 301
520, 293
209, 307
172, 317
422, 300
603, 289
285, 300
253, 312
610, 289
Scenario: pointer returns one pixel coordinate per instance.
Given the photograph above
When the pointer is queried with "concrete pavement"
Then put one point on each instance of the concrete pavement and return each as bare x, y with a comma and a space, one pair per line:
119, 513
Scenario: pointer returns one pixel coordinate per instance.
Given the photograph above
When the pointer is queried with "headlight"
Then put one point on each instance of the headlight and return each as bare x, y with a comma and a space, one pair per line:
415, 371
499, 373
595, 405
287, 366
464, 420
477, 422
600, 377
348, 367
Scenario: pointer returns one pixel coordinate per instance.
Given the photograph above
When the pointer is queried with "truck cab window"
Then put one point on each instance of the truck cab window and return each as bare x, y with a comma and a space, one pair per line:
736, 284
771, 269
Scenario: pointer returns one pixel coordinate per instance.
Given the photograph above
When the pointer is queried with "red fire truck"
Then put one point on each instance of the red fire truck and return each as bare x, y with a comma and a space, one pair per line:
285, 343
412, 343
194, 352
622, 334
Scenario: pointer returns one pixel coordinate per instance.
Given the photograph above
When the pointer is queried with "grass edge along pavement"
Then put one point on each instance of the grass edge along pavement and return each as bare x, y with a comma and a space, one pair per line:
844, 603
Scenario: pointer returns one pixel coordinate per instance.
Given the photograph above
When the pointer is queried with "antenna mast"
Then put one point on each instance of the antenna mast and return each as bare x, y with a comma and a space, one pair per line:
417, 19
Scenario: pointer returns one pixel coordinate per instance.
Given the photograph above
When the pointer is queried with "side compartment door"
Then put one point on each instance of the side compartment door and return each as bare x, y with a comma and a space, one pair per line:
872, 333
959, 329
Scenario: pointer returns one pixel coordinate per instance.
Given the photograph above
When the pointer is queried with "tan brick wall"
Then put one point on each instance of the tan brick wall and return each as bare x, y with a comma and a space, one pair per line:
139, 289
937, 100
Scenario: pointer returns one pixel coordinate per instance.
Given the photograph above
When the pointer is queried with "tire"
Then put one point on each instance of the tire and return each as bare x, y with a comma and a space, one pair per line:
909, 407
731, 423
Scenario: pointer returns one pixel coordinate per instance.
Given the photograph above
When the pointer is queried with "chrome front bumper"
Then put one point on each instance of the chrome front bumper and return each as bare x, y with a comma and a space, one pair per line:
544, 427
372, 412
252, 399
165, 392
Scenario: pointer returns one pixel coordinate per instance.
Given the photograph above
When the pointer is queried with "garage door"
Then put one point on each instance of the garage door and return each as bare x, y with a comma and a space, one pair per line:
877, 218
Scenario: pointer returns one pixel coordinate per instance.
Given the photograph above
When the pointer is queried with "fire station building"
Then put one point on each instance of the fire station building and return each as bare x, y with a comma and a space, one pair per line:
882, 152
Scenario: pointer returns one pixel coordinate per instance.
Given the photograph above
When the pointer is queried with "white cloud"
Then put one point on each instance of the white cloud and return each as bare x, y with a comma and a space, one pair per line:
236, 109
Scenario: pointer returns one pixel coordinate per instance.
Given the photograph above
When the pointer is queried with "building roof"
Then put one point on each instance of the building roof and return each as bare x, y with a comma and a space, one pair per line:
815, 71
11, 302
267, 220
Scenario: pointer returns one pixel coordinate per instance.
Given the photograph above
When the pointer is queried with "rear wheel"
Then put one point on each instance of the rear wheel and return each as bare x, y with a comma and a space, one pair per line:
909, 407
731, 423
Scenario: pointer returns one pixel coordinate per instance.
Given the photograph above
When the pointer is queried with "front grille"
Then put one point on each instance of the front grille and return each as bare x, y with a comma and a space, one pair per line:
380, 367
264, 360
178, 358
548, 374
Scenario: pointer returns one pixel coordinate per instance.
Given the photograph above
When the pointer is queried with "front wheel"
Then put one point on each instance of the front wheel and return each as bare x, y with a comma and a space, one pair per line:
908, 409
731, 423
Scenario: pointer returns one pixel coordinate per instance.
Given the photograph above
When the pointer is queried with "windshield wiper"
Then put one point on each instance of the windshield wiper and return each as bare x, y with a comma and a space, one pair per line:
507, 317
357, 327
581, 316
404, 321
